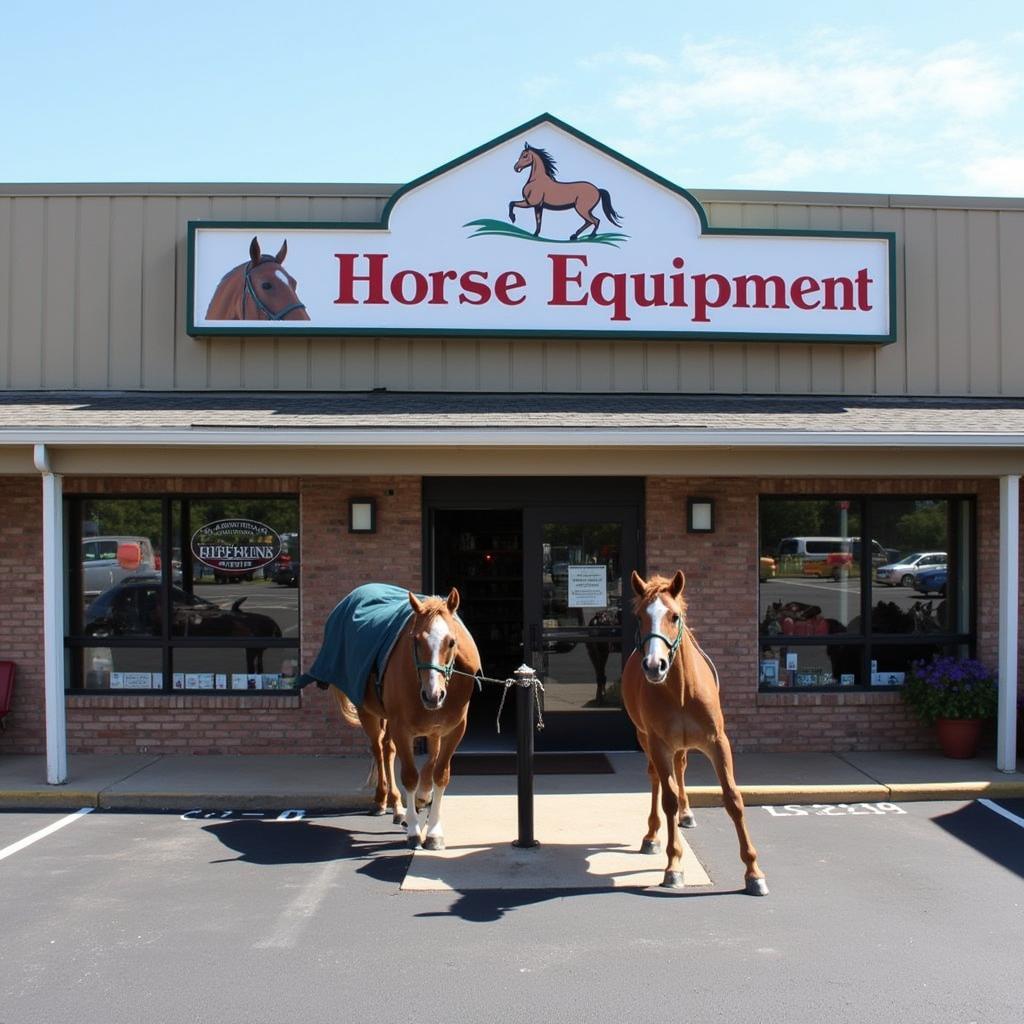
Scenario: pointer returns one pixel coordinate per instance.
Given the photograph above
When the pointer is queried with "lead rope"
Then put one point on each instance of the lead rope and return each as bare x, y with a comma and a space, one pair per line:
506, 685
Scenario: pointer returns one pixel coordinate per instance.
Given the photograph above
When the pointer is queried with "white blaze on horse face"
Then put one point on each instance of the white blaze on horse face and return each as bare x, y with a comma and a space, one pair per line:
656, 652
282, 277
438, 653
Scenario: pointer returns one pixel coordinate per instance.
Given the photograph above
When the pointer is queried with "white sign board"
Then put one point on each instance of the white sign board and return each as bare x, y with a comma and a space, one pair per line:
588, 586
541, 232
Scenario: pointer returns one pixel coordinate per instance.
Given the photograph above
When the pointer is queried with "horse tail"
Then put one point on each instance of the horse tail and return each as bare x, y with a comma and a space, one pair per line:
606, 205
347, 708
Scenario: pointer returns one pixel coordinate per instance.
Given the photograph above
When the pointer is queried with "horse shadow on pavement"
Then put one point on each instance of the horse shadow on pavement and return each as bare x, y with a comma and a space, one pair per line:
378, 851
269, 843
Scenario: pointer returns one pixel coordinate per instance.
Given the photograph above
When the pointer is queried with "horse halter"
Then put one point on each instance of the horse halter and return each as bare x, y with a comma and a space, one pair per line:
672, 645
249, 290
445, 670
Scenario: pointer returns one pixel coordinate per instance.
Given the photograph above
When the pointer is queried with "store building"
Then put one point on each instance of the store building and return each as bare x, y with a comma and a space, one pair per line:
225, 406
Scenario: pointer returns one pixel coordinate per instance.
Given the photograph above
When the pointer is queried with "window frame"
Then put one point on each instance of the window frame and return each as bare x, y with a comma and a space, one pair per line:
951, 641
167, 641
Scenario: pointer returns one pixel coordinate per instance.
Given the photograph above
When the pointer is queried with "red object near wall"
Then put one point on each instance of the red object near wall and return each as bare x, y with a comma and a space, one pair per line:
6, 688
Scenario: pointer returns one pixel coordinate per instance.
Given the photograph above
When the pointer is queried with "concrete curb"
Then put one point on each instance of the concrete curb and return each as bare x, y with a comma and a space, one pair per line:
228, 802
52, 797
59, 798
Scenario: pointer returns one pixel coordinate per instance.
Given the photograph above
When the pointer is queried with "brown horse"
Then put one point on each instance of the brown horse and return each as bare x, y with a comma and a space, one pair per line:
670, 689
258, 290
542, 192
419, 698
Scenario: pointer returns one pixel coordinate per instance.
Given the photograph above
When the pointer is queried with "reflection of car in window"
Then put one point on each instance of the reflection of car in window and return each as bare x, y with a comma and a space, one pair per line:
133, 607
932, 580
108, 560
903, 571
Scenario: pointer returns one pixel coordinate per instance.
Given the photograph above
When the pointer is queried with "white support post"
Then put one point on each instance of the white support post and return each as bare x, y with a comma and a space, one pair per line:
53, 620
1009, 609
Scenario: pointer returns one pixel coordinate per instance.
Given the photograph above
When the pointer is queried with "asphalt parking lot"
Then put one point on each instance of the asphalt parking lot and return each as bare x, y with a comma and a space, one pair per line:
877, 912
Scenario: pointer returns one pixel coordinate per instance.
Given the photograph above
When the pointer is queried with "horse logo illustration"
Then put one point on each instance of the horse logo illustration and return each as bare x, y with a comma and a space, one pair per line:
543, 191
260, 289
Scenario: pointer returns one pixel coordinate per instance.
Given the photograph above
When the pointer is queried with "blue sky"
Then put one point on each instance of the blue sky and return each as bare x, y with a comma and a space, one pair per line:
904, 97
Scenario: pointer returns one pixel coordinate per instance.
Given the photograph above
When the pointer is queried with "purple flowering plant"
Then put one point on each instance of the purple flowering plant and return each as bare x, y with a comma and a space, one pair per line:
951, 687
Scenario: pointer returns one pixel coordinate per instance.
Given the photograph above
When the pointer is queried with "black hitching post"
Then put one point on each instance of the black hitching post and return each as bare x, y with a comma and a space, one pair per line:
525, 713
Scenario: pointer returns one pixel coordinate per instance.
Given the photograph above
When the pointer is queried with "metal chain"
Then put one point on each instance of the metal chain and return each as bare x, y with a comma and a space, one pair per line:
507, 684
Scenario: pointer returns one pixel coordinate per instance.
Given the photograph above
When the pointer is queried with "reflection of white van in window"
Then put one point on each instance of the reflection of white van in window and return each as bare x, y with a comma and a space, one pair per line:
827, 556
108, 560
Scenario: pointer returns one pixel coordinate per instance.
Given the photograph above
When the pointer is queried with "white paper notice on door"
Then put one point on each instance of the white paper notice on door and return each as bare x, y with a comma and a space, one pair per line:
588, 586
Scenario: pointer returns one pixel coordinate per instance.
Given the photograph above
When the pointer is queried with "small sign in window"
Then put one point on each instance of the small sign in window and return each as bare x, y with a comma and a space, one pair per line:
588, 586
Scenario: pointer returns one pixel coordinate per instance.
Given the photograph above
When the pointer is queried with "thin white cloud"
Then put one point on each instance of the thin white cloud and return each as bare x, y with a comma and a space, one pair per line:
855, 106
999, 174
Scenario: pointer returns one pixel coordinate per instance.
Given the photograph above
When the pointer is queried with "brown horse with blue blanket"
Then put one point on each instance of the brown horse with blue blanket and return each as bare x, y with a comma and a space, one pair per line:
421, 679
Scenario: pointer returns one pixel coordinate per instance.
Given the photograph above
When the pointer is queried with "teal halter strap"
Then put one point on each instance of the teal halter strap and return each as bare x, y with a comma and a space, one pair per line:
672, 645
445, 670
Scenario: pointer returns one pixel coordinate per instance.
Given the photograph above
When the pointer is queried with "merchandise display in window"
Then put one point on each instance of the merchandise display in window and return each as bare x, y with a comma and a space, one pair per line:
836, 611
181, 593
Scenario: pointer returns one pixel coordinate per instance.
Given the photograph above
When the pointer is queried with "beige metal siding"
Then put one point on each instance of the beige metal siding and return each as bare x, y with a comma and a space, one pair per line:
92, 296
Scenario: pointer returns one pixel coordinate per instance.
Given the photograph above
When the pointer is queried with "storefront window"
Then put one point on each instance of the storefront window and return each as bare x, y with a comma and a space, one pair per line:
184, 594
839, 611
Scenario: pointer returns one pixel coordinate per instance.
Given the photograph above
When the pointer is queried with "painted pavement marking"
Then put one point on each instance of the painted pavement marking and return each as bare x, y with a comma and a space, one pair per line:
1008, 815
7, 851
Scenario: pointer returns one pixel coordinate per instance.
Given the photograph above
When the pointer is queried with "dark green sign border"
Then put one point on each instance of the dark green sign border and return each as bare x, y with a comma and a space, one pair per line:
575, 335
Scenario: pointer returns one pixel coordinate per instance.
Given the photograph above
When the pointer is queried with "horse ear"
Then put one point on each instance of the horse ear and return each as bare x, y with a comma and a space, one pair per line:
453, 601
675, 588
639, 584
417, 604
526, 145
282, 252
254, 250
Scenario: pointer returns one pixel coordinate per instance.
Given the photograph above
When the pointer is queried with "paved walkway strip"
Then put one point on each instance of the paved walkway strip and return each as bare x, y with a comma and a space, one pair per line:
43, 832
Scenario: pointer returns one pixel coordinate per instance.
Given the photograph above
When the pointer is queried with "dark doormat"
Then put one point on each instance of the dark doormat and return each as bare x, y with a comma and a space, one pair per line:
543, 764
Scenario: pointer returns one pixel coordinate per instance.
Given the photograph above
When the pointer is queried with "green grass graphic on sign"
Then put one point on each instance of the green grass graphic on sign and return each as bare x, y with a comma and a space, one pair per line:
486, 226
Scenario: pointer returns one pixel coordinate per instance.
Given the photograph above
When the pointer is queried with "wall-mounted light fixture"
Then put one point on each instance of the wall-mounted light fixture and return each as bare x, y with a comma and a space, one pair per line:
700, 515
362, 515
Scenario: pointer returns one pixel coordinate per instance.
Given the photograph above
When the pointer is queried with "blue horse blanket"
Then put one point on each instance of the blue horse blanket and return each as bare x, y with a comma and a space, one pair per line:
359, 636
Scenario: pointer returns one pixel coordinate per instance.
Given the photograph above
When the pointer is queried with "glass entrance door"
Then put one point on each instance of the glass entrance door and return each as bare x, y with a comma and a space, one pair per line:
577, 566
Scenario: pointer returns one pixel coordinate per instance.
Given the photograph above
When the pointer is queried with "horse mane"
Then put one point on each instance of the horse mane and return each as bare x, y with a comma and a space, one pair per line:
546, 159
655, 586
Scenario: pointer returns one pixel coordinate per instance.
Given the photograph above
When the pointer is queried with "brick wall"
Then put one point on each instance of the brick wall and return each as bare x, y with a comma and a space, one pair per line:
333, 562
722, 591
21, 612
721, 588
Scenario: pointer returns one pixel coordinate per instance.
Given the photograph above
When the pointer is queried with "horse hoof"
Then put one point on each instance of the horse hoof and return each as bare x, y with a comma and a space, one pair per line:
398, 819
413, 842
687, 821
650, 846
378, 812
433, 843
757, 887
673, 880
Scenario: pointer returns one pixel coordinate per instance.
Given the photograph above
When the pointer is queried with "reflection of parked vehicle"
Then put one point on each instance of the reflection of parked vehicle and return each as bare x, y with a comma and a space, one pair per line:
108, 560
286, 572
766, 568
805, 550
903, 571
133, 608
932, 581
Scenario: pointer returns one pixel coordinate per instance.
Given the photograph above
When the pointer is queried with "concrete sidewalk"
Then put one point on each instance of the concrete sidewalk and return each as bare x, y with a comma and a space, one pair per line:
184, 782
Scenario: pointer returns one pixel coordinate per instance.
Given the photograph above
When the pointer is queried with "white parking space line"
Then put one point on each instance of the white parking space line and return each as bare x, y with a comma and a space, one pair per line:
1008, 815
43, 832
